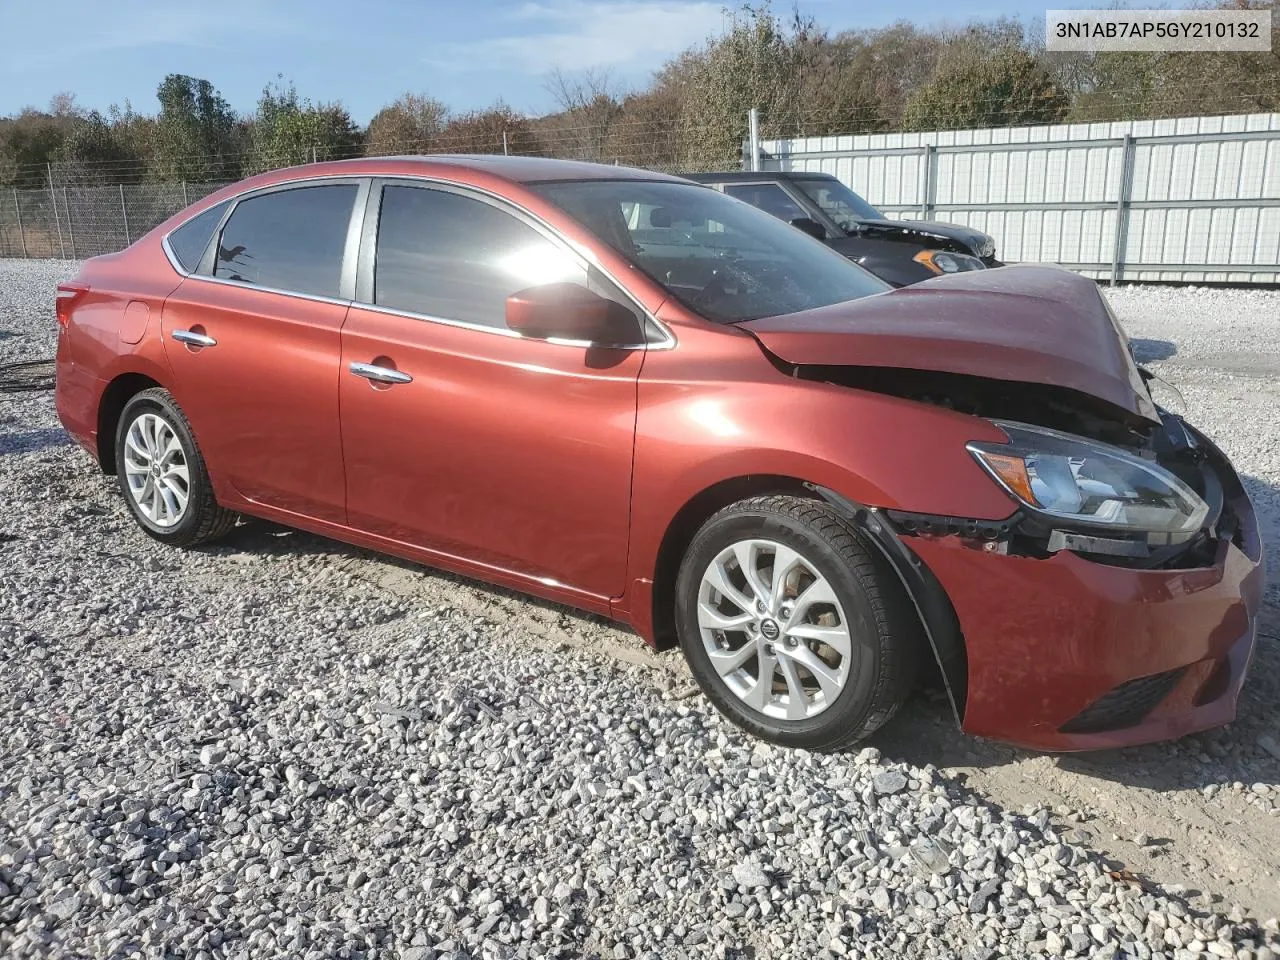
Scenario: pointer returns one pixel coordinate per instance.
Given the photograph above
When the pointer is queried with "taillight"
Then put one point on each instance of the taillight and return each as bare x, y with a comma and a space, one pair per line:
68, 294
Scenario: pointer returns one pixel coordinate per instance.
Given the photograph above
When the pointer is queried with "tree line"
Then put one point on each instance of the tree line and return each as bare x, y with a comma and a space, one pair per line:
803, 80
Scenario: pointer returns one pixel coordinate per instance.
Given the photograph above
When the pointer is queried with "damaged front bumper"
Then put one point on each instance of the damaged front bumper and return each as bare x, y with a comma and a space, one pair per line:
1069, 653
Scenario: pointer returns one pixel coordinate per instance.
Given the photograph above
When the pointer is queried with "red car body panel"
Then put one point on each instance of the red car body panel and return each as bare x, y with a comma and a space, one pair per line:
264, 401
100, 349
561, 471
1046, 638
514, 453
1019, 323
717, 410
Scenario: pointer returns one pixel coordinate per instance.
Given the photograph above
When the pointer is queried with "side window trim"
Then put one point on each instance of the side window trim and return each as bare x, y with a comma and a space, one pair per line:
654, 335
347, 279
205, 257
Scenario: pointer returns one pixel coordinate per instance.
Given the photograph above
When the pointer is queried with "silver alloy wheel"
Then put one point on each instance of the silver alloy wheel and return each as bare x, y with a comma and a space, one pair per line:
774, 630
156, 470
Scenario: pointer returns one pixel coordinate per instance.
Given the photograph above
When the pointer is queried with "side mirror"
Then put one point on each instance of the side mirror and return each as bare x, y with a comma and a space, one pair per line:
810, 226
569, 311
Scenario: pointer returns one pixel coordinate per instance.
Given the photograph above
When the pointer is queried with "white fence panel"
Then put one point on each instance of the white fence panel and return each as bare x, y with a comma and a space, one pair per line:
1193, 199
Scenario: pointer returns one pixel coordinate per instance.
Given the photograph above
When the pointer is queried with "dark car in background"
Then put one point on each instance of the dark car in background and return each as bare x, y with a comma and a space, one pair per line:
899, 252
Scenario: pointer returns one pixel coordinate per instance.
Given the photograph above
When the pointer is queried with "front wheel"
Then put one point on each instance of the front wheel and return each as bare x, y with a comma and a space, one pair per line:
793, 626
162, 474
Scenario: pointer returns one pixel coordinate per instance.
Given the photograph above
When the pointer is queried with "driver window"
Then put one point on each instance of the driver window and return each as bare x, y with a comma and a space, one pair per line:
458, 258
769, 197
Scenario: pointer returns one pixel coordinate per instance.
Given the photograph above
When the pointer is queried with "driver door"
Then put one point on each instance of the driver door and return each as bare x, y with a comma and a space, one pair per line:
510, 454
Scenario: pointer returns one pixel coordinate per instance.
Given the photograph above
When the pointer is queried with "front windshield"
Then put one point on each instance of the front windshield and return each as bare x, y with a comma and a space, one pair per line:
719, 256
838, 202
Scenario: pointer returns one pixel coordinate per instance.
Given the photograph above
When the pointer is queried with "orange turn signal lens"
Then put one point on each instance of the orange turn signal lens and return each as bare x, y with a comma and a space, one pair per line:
925, 259
1012, 472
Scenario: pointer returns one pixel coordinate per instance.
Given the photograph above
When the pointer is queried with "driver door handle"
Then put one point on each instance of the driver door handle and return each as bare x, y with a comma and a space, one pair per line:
380, 374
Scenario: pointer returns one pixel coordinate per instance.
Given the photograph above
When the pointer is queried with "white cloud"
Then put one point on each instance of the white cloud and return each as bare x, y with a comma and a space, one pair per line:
588, 34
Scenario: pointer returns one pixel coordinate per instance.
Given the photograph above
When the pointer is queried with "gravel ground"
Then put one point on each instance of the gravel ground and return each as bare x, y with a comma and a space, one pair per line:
281, 746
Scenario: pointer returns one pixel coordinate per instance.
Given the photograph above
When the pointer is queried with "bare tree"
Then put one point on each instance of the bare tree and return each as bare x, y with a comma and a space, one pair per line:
590, 104
63, 104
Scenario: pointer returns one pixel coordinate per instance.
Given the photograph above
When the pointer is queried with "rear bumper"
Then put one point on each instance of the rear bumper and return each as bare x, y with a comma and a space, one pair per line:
1048, 639
76, 397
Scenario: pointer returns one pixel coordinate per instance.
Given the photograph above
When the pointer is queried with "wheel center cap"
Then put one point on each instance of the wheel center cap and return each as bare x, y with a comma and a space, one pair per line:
155, 469
769, 629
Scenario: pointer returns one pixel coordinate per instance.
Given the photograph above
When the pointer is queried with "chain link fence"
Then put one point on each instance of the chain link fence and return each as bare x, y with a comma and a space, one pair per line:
74, 222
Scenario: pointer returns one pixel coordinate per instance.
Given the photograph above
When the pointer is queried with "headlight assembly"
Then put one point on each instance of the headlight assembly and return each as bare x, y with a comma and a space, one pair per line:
1081, 484
941, 261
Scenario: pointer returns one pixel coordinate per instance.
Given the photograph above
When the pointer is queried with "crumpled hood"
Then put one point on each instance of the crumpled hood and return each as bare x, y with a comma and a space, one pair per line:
1025, 324
975, 240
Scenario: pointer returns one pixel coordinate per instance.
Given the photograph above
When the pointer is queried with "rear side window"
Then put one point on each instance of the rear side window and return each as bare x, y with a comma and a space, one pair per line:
289, 240
189, 241
769, 197
458, 258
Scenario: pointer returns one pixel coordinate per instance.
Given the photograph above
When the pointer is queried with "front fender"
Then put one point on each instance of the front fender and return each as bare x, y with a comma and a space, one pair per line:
697, 427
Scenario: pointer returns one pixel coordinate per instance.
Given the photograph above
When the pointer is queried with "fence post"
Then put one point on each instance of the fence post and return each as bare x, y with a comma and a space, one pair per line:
185, 201
124, 212
753, 137
57, 220
71, 230
504, 143
22, 232
1122, 208
929, 190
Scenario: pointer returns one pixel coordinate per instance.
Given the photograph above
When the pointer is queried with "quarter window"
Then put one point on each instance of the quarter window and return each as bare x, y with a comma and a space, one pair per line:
445, 255
289, 240
189, 241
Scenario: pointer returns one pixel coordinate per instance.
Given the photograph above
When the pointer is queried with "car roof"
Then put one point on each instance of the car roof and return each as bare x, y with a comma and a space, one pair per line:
515, 169
756, 176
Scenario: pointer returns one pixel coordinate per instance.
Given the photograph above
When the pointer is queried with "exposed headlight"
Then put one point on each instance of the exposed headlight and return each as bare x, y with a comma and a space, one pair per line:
941, 261
1090, 484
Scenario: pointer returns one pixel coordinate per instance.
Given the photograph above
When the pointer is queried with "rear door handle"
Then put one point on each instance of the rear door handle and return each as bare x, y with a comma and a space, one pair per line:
193, 338
380, 374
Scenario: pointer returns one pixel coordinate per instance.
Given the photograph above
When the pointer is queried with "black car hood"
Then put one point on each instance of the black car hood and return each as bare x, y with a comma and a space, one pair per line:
927, 232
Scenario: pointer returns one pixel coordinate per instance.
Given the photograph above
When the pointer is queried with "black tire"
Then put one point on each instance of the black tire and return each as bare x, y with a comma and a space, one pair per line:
887, 640
203, 520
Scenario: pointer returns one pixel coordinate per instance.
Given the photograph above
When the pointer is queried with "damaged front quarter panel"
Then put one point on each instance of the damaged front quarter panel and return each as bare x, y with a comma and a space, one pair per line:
1169, 442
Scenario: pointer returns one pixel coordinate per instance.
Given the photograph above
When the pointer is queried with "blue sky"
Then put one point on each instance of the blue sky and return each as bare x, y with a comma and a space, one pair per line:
366, 52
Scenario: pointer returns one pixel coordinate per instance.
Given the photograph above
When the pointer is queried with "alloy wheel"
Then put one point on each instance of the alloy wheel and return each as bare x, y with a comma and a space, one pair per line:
156, 470
774, 629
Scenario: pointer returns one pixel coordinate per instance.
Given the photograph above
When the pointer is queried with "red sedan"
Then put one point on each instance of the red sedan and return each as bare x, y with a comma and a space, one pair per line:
634, 395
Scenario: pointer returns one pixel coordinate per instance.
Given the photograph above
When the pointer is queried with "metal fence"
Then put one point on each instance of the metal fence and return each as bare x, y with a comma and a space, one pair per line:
1193, 199
75, 222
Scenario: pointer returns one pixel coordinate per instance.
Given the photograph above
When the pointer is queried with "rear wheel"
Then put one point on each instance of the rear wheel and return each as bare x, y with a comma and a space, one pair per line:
793, 626
162, 474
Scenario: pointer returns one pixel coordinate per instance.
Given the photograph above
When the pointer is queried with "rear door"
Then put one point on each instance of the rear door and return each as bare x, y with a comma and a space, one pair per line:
513, 454
254, 339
